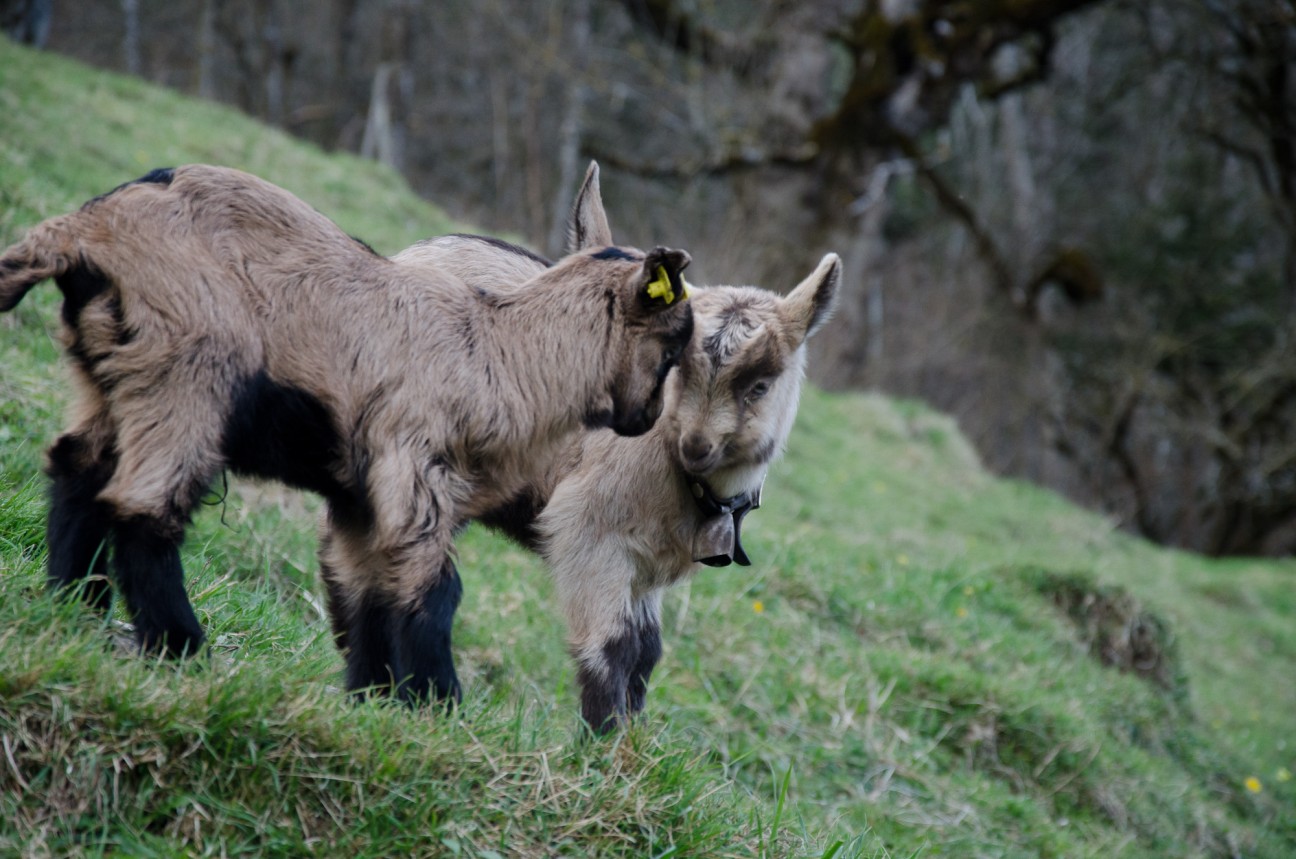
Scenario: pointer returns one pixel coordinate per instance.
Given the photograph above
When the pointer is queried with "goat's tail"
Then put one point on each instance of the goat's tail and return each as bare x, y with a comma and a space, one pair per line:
49, 250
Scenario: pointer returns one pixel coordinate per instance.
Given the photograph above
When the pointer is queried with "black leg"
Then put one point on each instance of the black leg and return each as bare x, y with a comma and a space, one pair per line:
650, 651
78, 526
147, 562
425, 643
604, 685
373, 661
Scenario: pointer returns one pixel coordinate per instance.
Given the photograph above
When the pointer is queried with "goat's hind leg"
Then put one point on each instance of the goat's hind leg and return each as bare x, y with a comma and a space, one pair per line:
146, 559
169, 437
79, 525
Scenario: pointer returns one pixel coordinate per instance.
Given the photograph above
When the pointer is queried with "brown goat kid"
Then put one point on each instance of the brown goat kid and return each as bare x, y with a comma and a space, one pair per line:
216, 321
621, 519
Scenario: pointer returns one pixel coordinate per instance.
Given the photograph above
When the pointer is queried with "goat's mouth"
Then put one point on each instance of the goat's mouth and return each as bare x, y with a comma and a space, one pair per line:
699, 454
700, 467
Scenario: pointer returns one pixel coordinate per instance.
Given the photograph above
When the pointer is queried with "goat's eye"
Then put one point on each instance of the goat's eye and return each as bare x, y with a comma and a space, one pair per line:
756, 391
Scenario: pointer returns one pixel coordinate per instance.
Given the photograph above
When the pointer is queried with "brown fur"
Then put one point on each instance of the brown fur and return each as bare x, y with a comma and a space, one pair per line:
183, 295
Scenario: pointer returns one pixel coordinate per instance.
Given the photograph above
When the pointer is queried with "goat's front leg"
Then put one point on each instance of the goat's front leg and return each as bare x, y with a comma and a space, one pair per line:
79, 525
393, 589
424, 640
647, 622
593, 579
385, 625
395, 640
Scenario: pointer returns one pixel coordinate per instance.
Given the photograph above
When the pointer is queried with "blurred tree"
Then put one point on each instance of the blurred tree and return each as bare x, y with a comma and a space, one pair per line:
26, 21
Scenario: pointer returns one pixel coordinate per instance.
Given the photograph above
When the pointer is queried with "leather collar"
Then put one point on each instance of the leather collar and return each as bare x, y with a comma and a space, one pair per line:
718, 542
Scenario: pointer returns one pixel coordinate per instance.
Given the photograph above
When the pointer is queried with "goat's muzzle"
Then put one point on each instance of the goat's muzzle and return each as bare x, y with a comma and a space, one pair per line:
639, 421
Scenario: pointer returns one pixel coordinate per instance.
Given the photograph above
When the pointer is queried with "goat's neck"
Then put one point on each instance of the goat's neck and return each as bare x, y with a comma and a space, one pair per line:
569, 359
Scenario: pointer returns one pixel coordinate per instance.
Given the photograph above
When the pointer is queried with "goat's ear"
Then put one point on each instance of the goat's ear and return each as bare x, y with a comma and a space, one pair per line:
662, 281
589, 224
809, 306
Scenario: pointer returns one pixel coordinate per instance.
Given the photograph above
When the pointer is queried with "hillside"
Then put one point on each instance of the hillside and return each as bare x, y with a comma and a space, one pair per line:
923, 661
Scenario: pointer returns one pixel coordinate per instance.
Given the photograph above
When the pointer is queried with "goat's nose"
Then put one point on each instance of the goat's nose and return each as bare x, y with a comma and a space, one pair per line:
696, 449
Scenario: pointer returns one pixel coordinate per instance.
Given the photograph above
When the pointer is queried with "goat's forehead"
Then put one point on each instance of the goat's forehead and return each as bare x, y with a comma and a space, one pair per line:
728, 319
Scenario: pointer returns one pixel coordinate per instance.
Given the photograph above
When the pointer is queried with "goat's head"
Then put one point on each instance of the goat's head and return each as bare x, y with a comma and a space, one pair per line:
740, 378
649, 322
649, 319
651, 301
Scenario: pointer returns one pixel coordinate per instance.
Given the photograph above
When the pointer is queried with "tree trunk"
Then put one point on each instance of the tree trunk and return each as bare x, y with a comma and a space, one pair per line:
571, 130
131, 37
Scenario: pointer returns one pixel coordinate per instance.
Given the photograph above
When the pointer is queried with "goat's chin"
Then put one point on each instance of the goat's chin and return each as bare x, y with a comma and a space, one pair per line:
730, 480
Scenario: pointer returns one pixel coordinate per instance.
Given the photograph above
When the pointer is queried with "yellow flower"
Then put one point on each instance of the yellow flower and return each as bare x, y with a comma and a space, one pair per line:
961, 611
968, 591
1253, 784
758, 607
1283, 774
902, 560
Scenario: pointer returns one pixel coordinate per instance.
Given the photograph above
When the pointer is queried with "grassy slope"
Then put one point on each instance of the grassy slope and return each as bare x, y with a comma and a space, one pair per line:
900, 665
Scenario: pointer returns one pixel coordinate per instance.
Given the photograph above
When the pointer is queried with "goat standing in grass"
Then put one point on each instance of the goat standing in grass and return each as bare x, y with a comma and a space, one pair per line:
216, 321
618, 519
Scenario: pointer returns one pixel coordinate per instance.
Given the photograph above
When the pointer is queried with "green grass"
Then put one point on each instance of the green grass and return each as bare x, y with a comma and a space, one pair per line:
924, 661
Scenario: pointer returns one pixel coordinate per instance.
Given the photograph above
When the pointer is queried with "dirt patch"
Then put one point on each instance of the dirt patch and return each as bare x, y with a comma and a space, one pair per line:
1119, 631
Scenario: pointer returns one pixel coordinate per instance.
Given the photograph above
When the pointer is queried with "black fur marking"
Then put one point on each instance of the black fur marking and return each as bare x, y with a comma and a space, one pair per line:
373, 661
365, 245
78, 526
675, 345
125, 334
516, 519
650, 652
80, 286
281, 432
146, 558
517, 250
601, 419
767, 365
762, 454
9, 266
608, 254
157, 176
425, 643
604, 694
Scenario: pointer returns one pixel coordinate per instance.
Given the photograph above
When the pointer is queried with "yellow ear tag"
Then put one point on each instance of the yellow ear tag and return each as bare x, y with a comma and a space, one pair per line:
660, 287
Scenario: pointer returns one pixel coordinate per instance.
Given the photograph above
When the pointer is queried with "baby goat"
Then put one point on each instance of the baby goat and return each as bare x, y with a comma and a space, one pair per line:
618, 520
216, 321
